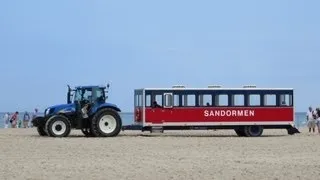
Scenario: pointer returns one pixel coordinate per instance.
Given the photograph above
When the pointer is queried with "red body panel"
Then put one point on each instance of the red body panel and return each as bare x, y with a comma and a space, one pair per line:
218, 114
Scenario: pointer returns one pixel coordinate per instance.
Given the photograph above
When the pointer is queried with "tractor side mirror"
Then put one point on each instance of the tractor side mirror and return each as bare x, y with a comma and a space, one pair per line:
107, 88
69, 95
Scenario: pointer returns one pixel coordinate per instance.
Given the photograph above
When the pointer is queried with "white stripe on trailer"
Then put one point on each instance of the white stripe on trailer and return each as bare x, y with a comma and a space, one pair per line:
220, 123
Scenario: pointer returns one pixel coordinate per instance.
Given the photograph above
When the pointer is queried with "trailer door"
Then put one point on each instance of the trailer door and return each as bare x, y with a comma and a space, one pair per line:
138, 106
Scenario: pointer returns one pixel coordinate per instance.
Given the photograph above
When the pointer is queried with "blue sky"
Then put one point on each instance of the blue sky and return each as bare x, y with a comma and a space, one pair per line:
45, 45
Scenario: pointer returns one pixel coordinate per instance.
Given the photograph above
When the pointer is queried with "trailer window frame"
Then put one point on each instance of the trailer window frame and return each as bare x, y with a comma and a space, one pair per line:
168, 100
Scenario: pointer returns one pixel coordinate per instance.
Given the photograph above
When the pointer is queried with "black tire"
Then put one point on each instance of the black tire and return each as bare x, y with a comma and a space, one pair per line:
240, 132
38, 121
41, 131
253, 131
106, 123
87, 132
58, 126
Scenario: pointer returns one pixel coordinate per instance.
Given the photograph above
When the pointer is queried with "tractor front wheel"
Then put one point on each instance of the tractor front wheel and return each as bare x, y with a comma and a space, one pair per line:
41, 131
106, 123
58, 126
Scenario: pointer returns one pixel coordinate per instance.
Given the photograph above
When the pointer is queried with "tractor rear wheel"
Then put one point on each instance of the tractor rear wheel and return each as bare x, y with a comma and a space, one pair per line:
87, 132
41, 131
106, 123
58, 126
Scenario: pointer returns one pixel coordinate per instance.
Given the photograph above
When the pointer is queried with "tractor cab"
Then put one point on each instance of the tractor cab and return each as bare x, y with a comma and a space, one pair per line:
88, 94
87, 98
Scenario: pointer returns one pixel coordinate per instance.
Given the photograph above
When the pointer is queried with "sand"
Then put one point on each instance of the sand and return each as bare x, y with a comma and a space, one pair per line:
172, 155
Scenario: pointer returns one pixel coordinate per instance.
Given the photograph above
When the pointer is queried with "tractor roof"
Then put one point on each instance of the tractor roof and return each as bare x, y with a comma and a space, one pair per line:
88, 87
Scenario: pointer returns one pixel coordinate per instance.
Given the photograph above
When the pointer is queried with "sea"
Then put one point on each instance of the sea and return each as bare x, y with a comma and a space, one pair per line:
127, 118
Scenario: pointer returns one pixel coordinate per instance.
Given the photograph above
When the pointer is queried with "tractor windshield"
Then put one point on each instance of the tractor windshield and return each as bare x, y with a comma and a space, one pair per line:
83, 94
90, 94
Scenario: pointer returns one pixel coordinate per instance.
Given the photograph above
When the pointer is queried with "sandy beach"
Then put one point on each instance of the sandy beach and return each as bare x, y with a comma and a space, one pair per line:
172, 155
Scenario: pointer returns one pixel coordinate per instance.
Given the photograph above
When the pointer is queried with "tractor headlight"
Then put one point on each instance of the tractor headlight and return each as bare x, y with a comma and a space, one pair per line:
46, 112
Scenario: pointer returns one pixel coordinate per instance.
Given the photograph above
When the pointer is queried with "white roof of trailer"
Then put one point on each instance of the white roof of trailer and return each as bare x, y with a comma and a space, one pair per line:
215, 89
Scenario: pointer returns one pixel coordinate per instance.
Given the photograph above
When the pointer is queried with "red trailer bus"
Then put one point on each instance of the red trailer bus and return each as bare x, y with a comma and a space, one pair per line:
247, 110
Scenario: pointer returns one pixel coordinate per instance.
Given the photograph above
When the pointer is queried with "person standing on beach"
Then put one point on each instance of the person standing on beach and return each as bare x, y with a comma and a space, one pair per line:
318, 119
311, 120
34, 115
26, 119
6, 118
14, 120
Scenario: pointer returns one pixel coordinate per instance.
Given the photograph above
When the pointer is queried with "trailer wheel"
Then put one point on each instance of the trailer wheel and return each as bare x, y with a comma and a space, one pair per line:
253, 131
106, 123
41, 131
240, 132
58, 126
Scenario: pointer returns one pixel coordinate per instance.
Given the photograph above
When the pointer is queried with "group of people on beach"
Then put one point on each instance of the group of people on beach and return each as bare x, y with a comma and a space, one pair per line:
15, 122
313, 119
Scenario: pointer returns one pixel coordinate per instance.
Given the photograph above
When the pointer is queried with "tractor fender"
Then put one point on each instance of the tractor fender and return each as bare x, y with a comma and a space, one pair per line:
110, 106
38, 121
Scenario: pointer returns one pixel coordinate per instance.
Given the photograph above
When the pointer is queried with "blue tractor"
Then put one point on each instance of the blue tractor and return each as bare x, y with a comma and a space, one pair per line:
86, 109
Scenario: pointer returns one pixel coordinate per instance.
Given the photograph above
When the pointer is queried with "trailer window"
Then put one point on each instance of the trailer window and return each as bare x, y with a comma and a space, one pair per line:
158, 99
270, 100
148, 100
191, 100
205, 100
238, 100
285, 100
184, 100
254, 100
138, 100
176, 100
222, 100
168, 101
